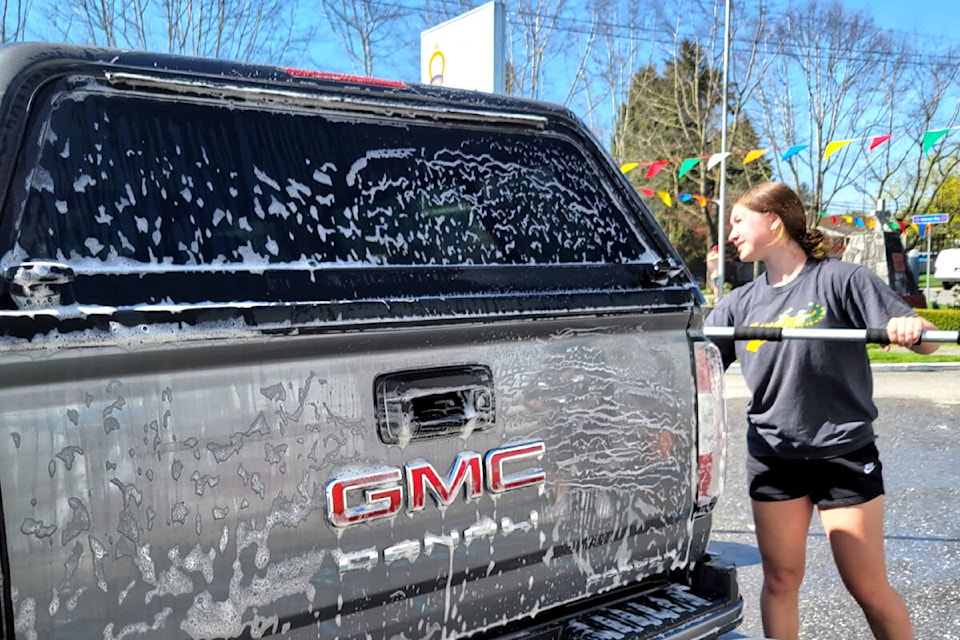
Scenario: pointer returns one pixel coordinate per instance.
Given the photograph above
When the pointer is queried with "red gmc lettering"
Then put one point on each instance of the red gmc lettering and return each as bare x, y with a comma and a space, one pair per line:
497, 482
381, 497
353, 498
422, 477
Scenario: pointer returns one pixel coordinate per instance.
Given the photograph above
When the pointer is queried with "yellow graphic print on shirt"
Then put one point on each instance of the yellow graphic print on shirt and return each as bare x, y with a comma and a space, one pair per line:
790, 320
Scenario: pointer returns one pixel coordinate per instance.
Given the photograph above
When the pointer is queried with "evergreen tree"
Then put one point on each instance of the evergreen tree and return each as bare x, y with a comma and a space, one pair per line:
674, 113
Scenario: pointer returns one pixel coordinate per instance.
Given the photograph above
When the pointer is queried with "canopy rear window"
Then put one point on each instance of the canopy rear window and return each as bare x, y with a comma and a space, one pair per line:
127, 180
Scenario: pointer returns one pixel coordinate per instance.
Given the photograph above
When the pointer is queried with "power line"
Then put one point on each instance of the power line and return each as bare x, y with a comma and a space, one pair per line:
644, 34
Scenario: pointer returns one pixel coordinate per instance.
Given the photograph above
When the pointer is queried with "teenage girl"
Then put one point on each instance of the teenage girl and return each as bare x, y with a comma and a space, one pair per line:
810, 436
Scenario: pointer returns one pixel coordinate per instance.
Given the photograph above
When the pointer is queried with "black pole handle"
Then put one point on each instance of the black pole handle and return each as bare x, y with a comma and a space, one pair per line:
777, 334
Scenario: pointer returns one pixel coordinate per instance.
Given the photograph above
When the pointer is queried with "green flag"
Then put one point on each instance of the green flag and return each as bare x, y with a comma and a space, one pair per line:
686, 165
930, 138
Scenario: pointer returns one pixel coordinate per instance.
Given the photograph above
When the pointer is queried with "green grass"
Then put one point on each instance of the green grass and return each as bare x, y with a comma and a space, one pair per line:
922, 280
898, 355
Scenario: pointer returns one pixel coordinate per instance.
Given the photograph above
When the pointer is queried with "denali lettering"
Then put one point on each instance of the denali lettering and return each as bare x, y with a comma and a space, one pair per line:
412, 550
378, 494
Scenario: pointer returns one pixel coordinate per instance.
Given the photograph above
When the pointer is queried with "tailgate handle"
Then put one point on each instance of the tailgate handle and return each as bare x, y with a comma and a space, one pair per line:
40, 284
437, 402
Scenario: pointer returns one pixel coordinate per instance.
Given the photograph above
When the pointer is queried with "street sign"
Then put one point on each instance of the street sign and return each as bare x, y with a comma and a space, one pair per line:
931, 218
923, 220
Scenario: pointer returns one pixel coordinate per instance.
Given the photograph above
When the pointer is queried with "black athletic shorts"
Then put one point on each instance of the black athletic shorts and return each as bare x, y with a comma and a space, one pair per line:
850, 479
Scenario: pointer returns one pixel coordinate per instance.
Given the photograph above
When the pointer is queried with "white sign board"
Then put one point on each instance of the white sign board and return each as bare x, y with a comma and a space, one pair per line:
466, 52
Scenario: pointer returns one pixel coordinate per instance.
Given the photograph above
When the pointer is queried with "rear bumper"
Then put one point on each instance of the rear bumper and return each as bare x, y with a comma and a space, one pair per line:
708, 608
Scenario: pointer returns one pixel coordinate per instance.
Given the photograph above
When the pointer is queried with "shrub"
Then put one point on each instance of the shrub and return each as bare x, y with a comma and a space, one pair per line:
945, 319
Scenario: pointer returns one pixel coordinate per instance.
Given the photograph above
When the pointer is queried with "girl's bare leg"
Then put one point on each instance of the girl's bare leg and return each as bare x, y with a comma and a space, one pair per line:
782, 529
856, 538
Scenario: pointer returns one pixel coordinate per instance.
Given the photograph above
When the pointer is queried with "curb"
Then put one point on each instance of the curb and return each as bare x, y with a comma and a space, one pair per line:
891, 366
916, 366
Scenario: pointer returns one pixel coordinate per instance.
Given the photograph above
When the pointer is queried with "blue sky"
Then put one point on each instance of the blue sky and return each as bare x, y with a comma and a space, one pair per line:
936, 18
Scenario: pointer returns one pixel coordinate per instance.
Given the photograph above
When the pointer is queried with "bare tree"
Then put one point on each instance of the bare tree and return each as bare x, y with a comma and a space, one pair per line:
622, 33
13, 19
532, 26
245, 30
917, 99
365, 28
822, 89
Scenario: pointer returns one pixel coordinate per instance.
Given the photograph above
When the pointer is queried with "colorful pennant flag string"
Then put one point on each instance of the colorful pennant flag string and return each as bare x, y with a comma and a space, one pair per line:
928, 141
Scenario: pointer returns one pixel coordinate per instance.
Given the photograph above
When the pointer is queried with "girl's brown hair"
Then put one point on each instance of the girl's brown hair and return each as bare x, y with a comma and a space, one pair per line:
779, 199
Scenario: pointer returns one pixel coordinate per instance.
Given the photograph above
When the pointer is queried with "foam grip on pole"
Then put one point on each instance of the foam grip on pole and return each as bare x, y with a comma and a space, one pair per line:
773, 334
878, 336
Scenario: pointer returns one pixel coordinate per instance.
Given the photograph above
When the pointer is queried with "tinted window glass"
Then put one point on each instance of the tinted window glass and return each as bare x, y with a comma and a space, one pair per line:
145, 180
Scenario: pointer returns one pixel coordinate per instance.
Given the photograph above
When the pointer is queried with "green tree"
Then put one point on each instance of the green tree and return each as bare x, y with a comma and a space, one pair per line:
674, 113
947, 200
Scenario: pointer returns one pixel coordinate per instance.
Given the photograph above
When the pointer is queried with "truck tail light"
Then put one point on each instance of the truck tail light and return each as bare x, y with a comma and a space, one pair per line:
711, 422
341, 77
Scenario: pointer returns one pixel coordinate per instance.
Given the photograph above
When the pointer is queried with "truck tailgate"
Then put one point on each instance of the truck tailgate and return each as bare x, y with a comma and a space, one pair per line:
254, 486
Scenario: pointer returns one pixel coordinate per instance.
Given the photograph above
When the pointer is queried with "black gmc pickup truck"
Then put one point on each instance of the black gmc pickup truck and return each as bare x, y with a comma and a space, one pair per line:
299, 355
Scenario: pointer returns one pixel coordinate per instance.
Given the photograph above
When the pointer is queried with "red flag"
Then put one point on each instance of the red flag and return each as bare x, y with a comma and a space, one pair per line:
655, 168
879, 140
647, 192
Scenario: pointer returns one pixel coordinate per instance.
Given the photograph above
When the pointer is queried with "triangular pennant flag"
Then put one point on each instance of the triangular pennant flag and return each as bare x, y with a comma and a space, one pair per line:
647, 192
666, 198
822, 214
753, 155
859, 222
716, 159
686, 165
655, 168
701, 200
879, 140
835, 145
834, 220
628, 166
792, 151
848, 219
871, 223
931, 137
684, 197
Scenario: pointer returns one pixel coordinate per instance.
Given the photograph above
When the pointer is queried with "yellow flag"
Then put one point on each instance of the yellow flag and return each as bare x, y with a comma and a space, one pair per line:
628, 166
753, 155
667, 200
833, 146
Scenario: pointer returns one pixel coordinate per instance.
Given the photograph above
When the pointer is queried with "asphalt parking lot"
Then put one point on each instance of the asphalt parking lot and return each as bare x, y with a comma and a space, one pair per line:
919, 442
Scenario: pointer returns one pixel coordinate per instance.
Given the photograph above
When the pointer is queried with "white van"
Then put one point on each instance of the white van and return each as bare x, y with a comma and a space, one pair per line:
947, 267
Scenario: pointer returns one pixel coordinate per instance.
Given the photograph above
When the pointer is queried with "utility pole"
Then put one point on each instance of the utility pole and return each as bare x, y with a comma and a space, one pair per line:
722, 215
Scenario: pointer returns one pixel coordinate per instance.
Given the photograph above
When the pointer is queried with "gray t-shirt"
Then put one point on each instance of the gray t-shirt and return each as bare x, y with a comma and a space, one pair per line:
811, 398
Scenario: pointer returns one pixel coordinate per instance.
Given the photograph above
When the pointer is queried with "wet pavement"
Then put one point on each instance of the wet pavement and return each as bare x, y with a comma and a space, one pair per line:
919, 442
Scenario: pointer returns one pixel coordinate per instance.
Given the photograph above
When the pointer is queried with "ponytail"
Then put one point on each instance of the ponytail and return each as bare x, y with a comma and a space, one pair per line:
814, 244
